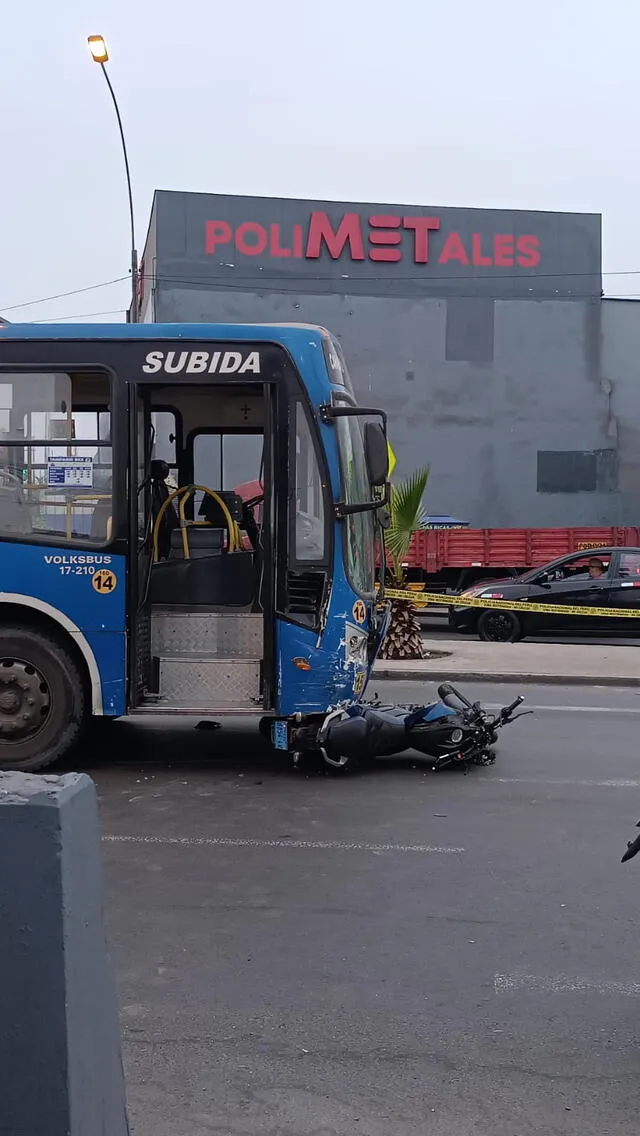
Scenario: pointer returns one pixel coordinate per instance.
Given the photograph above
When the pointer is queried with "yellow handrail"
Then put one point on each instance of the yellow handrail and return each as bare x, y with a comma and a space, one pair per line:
186, 551
185, 492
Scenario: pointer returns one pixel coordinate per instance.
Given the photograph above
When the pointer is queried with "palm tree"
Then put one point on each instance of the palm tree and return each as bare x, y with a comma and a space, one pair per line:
404, 638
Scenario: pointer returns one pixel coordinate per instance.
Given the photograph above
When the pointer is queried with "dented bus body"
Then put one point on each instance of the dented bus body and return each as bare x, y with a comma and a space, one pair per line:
139, 572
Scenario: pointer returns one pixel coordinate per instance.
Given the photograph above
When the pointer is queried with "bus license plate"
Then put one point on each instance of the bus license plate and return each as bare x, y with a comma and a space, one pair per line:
280, 735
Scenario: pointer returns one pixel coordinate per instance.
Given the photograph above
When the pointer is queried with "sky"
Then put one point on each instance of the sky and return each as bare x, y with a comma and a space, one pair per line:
526, 104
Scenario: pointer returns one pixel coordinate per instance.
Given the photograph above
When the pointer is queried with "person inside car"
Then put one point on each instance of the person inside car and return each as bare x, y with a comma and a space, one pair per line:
596, 568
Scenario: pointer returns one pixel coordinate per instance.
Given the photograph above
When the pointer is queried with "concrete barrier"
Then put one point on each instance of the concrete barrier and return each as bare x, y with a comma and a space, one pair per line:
60, 1063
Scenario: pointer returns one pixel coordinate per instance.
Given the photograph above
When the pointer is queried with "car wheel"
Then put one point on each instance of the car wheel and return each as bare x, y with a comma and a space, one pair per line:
499, 627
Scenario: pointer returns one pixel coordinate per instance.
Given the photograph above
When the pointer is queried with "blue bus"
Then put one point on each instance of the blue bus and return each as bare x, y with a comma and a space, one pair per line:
188, 525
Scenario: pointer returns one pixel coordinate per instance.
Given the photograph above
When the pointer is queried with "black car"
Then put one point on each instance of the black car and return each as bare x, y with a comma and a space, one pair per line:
600, 578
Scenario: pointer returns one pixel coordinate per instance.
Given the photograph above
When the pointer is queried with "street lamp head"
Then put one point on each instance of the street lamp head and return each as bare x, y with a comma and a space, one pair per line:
98, 49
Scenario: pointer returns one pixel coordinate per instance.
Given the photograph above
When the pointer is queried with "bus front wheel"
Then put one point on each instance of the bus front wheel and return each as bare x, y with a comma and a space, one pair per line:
42, 700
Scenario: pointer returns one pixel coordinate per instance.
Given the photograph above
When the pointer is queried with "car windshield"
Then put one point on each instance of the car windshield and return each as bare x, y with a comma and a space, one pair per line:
359, 527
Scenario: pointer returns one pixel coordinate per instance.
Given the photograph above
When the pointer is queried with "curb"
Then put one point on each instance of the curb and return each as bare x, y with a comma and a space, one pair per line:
495, 676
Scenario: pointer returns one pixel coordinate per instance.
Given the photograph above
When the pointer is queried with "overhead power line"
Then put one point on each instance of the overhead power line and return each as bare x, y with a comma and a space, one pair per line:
62, 295
81, 316
281, 280
416, 277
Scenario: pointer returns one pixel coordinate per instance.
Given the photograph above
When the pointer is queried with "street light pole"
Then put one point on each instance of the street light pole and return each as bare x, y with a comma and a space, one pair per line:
99, 54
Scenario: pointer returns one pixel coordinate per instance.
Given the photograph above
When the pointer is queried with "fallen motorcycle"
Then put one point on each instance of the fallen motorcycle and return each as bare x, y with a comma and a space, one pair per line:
451, 732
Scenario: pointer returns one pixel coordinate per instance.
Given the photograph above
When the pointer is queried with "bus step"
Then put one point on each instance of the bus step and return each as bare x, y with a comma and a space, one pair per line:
208, 634
211, 682
151, 708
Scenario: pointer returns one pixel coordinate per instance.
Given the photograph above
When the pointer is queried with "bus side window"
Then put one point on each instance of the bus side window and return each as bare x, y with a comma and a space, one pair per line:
55, 455
223, 461
309, 521
165, 431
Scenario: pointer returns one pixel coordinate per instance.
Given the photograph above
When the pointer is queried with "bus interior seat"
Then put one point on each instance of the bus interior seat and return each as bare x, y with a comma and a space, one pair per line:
210, 577
214, 581
15, 516
100, 521
212, 512
203, 541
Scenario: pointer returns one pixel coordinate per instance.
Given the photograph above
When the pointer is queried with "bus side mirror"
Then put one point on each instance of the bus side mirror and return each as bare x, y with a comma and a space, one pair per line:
376, 453
384, 517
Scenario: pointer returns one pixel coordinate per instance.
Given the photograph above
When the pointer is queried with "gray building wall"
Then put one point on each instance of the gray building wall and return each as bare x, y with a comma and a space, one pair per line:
515, 385
621, 387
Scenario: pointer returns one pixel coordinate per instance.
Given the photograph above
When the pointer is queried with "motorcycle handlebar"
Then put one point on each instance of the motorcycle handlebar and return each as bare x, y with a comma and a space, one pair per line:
453, 697
633, 847
507, 711
447, 691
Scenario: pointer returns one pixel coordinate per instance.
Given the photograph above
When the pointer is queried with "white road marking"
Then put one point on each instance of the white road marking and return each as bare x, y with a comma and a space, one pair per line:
570, 709
610, 783
538, 984
322, 845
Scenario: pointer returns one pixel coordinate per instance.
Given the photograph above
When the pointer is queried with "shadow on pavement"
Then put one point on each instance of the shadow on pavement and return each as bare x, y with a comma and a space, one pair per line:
236, 748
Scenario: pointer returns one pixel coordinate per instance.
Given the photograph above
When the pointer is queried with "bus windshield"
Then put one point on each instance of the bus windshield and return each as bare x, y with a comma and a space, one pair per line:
336, 364
360, 560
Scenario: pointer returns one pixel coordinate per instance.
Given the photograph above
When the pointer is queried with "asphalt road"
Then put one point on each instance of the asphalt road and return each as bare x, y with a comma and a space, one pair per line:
435, 626
394, 954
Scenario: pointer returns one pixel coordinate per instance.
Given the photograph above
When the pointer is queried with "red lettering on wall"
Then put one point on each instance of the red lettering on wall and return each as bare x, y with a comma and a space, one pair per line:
528, 251
421, 227
275, 248
216, 233
476, 252
453, 249
251, 248
503, 250
385, 236
348, 232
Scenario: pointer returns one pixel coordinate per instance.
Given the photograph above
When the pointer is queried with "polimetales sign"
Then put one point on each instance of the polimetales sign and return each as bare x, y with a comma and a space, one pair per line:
381, 237
341, 247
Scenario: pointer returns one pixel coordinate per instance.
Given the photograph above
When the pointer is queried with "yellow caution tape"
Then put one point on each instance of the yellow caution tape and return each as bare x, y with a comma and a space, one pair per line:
427, 599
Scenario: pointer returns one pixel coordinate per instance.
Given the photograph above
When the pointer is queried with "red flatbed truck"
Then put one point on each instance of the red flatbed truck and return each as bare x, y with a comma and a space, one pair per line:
448, 560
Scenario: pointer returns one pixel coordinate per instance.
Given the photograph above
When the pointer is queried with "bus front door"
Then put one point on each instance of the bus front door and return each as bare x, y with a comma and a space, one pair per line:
201, 608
